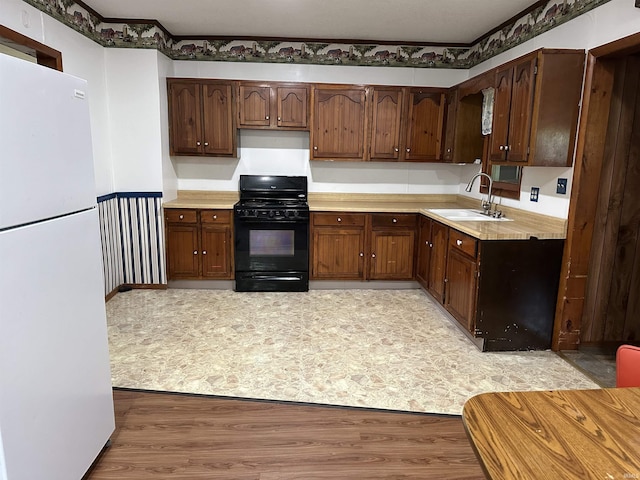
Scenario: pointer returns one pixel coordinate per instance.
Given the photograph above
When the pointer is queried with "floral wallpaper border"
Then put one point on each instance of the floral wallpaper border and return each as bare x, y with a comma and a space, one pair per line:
149, 35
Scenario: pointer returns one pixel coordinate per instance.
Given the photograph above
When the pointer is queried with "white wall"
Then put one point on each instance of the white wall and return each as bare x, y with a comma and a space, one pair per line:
133, 96
80, 57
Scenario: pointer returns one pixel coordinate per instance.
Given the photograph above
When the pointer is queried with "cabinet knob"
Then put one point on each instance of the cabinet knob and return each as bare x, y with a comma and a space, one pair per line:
206, 144
195, 252
448, 150
408, 150
458, 242
501, 147
373, 255
198, 143
215, 217
396, 149
395, 220
339, 219
361, 254
181, 217
204, 252
279, 118
506, 148
431, 245
315, 148
267, 117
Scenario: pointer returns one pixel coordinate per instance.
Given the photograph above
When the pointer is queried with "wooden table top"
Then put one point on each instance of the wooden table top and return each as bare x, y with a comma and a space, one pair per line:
562, 434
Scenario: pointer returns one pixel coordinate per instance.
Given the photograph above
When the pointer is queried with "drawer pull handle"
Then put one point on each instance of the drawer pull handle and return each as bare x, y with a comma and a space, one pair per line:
181, 217
458, 242
215, 217
339, 219
395, 220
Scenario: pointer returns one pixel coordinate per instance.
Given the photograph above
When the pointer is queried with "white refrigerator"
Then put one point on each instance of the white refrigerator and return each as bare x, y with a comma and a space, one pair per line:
56, 405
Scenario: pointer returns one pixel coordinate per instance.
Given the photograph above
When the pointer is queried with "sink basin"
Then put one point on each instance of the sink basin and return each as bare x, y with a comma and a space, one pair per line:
466, 214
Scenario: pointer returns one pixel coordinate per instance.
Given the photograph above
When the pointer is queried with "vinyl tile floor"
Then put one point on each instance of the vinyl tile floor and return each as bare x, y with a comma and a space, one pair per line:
390, 349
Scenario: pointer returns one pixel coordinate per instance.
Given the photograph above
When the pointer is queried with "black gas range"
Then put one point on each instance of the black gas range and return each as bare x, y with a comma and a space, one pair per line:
271, 223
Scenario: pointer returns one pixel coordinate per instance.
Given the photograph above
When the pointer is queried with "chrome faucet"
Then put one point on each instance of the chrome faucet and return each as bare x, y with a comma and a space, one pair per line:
486, 206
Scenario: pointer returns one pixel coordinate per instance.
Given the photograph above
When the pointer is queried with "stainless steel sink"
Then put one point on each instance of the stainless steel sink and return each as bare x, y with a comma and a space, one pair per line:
466, 214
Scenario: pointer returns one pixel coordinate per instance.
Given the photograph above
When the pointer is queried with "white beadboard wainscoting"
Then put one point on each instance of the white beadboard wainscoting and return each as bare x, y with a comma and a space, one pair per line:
132, 235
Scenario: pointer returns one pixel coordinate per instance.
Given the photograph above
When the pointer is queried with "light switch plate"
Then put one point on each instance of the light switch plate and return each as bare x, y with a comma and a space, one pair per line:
561, 188
535, 191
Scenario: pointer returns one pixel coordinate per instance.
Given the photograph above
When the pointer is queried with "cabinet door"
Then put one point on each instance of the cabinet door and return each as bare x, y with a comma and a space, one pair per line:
185, 120
392, 254
521, 110
385, 125
254, 104
218, 120
216, 254
438, 261
182, 251
501, 108
451, 106
292, 103
338, 253
461, 288
424, 251
339, 123
424, 130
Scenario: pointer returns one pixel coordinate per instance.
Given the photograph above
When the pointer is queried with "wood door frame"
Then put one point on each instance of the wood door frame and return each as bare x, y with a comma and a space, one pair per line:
591, 140
44, 55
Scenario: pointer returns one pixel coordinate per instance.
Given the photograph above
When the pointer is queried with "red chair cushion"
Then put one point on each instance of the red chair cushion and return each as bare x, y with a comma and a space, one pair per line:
628, 366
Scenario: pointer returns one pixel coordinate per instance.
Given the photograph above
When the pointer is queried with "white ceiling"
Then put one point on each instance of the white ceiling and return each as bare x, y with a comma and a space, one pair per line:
422, 21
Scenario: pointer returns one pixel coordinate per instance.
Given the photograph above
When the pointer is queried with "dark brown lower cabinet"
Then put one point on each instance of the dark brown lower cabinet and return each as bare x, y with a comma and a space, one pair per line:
354, 246
199, 244
501, 291
460, 288
438, 260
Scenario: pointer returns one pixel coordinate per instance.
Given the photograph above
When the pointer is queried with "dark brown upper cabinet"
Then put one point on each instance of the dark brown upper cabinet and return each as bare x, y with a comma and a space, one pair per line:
280, 106
536, 107
339, 122
424, 130
387, 112
201, 117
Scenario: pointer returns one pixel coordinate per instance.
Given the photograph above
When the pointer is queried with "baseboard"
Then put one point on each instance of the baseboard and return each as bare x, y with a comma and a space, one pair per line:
130, 286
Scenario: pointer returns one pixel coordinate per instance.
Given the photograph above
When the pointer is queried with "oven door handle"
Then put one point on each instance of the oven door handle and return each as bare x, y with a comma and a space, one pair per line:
272, 277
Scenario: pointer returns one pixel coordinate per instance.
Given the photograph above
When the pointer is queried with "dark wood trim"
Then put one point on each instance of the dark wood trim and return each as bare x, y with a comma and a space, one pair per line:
44, 55
591, 141
131, 286
618, 48
517, 16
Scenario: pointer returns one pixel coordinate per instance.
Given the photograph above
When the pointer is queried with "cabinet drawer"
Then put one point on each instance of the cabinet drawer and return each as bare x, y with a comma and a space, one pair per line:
215, 216
462, 242
338, 219
180, 216
391, 220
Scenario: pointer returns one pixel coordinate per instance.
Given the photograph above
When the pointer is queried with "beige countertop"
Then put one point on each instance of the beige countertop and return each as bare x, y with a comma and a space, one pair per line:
522, 225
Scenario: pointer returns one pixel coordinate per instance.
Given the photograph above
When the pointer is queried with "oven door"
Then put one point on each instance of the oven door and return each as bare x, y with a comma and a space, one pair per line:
271, 246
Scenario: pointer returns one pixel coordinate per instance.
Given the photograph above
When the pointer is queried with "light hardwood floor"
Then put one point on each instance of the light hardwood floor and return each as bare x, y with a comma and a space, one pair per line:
178, 436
